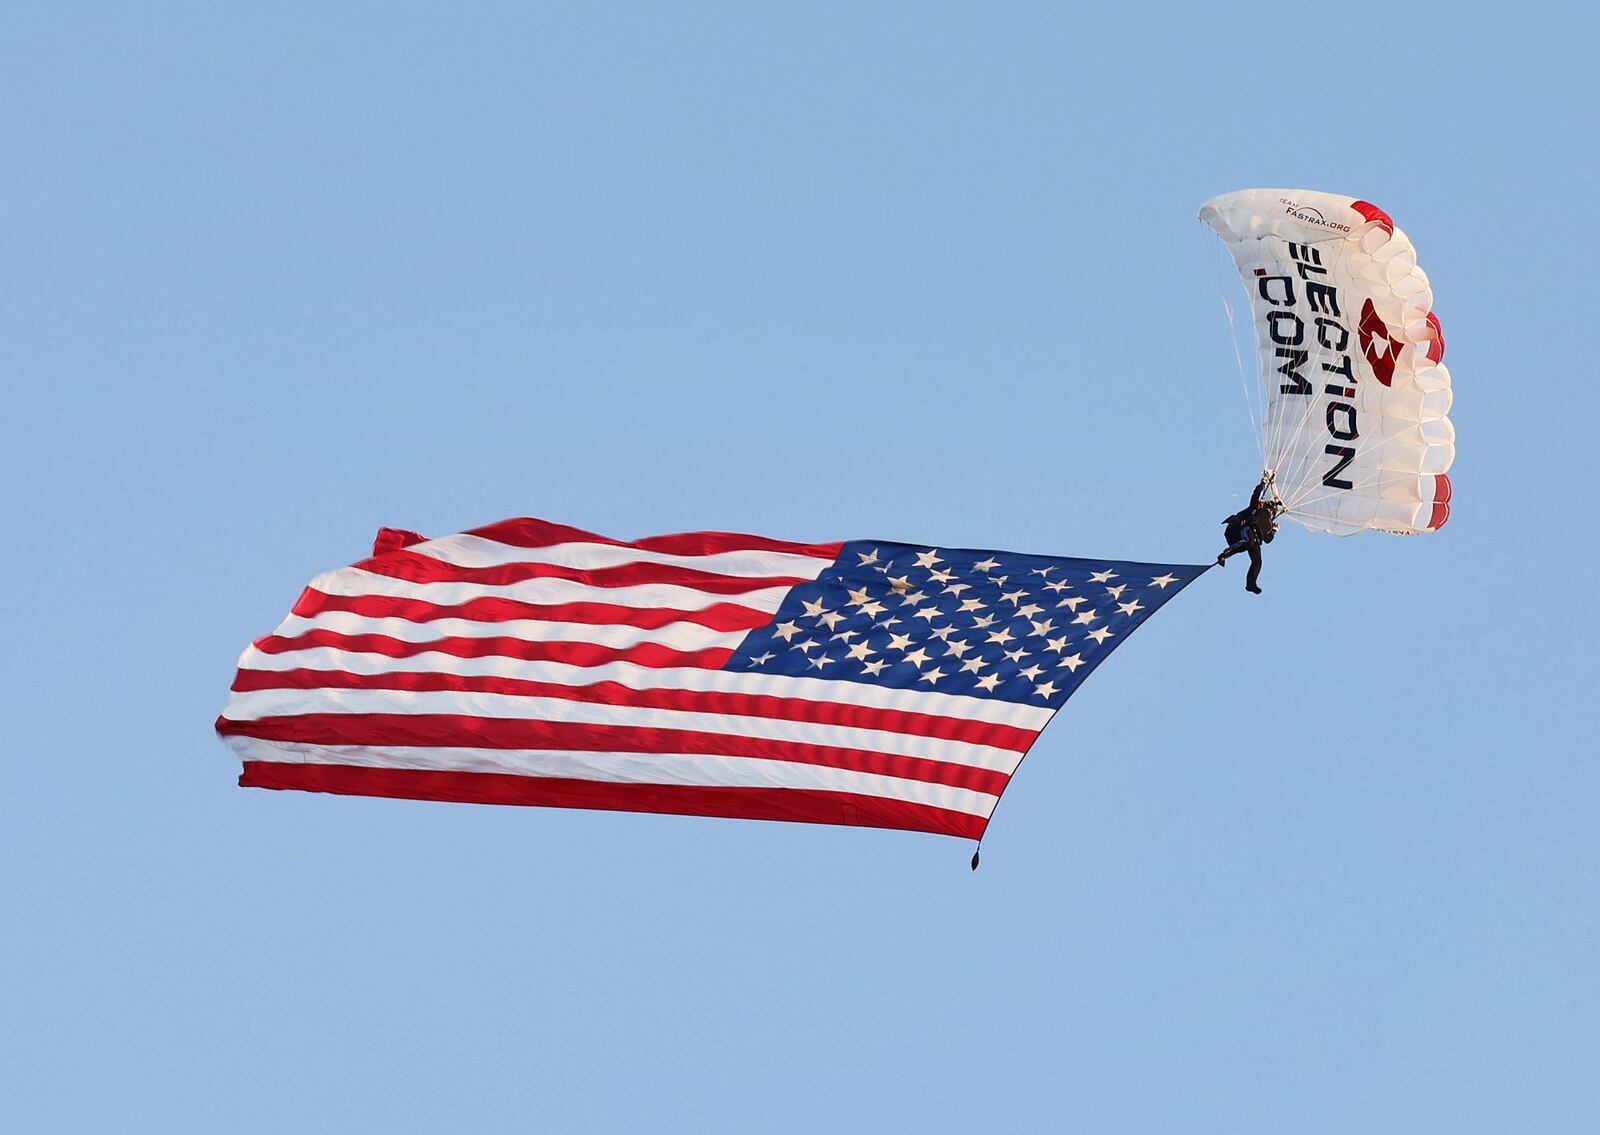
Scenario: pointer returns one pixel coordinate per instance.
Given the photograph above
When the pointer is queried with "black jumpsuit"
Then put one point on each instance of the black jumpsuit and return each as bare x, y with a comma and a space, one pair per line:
1246, 532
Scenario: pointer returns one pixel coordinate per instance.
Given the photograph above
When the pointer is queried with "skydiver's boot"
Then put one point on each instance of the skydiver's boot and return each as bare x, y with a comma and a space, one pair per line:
1252, 589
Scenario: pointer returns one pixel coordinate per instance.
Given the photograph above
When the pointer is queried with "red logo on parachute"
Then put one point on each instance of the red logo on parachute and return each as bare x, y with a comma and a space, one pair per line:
1381, 348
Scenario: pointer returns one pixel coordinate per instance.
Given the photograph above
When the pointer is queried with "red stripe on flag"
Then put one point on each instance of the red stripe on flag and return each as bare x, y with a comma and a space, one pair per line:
416, 567
716, 543
428, 730
796, 805
688, 701
393, 539
526, 532
650, 654
719, 616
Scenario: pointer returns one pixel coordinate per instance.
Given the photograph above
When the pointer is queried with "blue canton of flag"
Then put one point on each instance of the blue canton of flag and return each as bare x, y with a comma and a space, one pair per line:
987, 624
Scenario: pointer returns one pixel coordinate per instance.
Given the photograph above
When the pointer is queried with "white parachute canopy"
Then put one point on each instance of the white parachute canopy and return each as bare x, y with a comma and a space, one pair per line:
1354, 429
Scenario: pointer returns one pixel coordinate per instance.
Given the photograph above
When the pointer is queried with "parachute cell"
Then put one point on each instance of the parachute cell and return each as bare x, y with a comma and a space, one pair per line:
1355, 430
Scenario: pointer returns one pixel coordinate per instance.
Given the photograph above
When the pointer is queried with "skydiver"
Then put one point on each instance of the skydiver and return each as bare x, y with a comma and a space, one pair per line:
1249, 528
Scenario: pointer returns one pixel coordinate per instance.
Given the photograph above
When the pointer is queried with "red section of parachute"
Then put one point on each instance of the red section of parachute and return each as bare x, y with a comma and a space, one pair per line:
1435, 335
1372, 213
1381, 349
1435, 339
1441, 502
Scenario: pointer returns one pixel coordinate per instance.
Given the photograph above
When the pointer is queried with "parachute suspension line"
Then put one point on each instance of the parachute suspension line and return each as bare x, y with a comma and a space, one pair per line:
1257, 422
1283, 430
1314, 494
1275, 430
1297, 473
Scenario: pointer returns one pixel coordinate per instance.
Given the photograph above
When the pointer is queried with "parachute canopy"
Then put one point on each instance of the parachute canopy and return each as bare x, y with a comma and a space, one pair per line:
1355, 431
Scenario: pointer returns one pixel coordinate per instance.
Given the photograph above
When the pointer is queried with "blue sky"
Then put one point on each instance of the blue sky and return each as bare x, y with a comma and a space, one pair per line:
1319, 861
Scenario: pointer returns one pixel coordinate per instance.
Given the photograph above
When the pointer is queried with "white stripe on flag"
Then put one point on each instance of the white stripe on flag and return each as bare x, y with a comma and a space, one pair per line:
651, 678
355, 581
253, 705
678, 636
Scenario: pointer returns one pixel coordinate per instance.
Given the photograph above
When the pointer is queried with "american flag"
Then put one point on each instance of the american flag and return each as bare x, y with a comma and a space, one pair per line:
866, 682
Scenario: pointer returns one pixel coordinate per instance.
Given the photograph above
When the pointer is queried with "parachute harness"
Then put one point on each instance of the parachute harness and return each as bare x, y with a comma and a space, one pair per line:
1269, 479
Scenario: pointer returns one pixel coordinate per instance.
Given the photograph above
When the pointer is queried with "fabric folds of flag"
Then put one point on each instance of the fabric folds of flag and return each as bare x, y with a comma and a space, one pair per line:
863, 682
